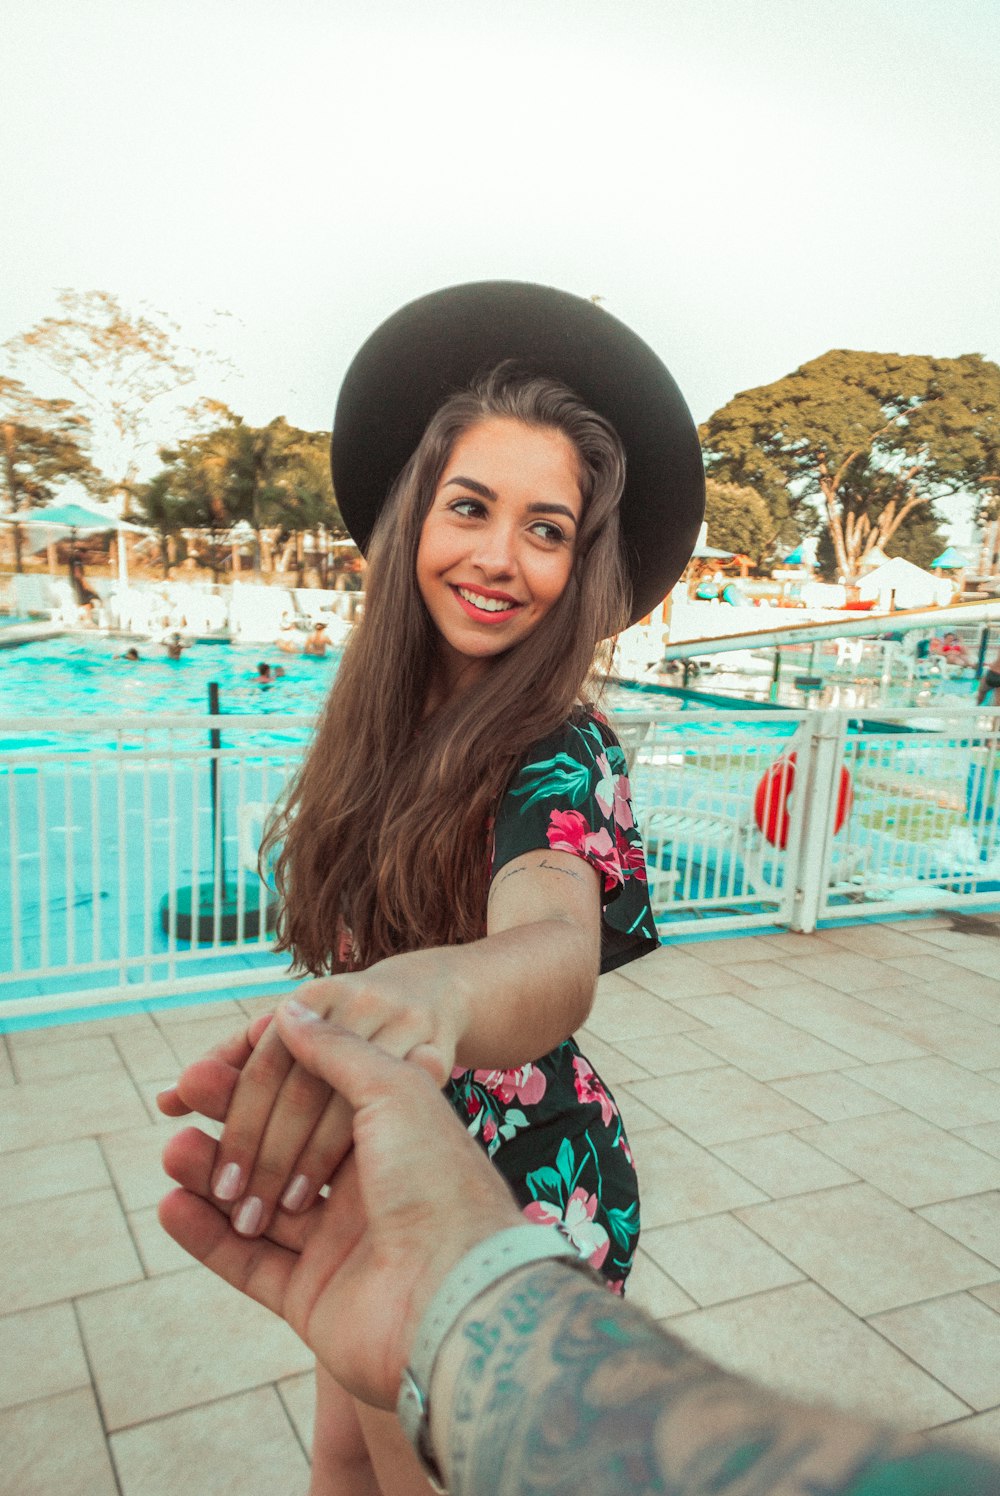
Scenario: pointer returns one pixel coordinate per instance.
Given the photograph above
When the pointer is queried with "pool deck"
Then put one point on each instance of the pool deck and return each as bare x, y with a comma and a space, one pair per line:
816, 1122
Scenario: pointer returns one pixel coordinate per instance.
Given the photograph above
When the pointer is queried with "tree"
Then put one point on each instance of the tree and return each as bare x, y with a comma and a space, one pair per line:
42, 442
167, 511
918, 539
869, 439
739, 520
303, 502
120, 367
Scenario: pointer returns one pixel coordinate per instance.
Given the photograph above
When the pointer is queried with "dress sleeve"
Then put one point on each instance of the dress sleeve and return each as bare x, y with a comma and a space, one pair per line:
572, 794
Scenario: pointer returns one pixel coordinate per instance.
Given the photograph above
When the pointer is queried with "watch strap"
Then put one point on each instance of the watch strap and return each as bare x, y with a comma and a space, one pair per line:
482, 1266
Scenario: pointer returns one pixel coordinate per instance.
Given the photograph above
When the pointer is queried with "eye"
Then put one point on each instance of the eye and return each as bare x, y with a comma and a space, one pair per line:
468, 508
546, 530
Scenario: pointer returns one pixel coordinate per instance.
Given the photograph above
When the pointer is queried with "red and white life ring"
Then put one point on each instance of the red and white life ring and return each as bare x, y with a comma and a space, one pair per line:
770, 801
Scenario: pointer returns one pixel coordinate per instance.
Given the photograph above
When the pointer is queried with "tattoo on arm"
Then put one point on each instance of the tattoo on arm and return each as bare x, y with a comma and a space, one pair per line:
563, 1390
543, 866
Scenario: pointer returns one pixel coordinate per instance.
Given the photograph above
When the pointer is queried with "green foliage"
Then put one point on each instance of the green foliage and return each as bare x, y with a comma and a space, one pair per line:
868, 438
42, 443
270, 477
739, 520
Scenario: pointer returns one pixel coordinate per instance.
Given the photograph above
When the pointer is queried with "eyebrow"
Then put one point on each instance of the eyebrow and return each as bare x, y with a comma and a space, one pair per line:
541, 507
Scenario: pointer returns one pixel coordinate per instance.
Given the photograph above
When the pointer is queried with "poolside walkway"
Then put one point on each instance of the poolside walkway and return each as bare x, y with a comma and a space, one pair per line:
816, 1121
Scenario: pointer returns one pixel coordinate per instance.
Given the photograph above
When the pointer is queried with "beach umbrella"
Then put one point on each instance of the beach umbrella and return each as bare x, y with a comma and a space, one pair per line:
950, 560
73, 519
710, 553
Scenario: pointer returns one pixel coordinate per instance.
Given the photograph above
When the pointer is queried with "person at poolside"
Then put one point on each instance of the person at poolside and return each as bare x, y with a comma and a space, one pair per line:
596, 1399
174, 646
460, 848
267, 674
290, 640
318, 642
953, 652
131, 654
988, 685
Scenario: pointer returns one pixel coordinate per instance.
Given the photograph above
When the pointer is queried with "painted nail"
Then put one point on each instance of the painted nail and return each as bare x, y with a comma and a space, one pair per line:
229, 1182
300, 1012
248, 1217
296, 1193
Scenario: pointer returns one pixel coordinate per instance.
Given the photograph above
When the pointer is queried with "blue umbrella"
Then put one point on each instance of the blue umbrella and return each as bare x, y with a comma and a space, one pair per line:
76, 519
950, 560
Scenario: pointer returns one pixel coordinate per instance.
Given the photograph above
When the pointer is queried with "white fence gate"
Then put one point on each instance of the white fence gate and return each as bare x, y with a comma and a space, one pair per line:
751, 819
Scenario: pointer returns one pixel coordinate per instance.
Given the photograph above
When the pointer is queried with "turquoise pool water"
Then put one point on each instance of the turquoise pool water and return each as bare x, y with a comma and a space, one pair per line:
74, 676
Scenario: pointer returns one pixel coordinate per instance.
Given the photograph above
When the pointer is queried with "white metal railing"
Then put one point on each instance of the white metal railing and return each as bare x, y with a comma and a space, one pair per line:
750, 819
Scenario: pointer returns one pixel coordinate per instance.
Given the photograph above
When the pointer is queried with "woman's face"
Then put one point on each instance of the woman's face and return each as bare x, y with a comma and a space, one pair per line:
496, 549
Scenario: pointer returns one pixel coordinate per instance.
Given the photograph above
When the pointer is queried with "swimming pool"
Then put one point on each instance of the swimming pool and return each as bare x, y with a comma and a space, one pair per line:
78, 676
84, 675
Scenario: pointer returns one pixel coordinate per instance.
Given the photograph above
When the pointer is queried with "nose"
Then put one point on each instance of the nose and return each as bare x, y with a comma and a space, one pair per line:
495, 552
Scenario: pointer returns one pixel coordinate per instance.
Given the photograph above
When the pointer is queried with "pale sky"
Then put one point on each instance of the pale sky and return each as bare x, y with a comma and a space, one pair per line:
748, 183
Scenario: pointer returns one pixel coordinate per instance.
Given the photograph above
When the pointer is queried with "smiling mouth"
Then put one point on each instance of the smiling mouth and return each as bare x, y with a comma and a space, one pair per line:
482, 605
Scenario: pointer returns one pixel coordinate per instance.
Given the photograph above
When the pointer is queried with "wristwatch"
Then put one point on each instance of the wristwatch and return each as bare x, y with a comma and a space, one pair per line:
480, 1268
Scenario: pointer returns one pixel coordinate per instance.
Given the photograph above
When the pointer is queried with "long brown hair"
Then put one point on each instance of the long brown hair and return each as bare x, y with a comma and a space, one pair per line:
384, 831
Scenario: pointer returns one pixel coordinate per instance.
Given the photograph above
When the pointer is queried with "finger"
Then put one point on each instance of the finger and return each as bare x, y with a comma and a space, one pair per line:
361, 1071
203, 1091
331, 1136
298, 1107
323, 1150
261, 1080
189, 1159
208, 1086
397, 1107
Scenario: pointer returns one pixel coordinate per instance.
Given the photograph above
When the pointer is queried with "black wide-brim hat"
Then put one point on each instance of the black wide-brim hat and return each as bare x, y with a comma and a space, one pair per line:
437, 345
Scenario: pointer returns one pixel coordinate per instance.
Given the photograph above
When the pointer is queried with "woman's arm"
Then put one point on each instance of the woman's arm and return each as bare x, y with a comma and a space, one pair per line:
497, 1003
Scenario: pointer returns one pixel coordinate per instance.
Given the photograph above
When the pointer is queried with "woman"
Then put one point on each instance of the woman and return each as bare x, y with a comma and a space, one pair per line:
459, 849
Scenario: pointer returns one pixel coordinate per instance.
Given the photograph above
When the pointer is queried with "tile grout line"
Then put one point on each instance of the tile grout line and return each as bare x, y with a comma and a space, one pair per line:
95, 1391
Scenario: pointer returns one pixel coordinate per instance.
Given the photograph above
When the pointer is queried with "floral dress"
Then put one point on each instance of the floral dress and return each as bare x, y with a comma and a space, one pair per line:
552, 1127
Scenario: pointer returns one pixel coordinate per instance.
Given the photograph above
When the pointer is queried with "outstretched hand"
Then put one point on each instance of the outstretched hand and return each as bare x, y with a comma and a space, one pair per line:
353, 1273
285, 1131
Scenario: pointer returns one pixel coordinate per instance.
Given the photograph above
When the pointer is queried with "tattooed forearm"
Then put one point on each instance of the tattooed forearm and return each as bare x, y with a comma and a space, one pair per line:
550, 1387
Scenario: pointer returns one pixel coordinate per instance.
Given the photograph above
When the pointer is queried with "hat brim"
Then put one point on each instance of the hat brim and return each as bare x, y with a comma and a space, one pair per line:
437, 345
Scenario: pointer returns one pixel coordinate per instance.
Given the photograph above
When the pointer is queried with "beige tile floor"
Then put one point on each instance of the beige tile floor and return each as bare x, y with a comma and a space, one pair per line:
816, 1122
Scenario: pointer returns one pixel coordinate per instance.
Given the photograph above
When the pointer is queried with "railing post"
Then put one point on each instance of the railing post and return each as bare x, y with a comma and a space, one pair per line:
819, 795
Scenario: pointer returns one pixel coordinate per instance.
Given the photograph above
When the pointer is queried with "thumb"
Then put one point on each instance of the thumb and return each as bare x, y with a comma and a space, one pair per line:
357, 1068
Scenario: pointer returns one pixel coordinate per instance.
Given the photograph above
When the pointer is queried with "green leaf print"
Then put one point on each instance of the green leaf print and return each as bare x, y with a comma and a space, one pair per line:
623, 1224
560, 777
565, 1162
546, 1184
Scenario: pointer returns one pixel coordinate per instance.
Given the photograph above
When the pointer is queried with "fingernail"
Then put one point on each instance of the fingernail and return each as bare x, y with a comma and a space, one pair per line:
247, 1218
296, 1193
300, 1012
228, 1184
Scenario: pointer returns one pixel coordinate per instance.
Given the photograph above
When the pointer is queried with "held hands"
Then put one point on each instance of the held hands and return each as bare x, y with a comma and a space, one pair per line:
352, 1274
285, 1130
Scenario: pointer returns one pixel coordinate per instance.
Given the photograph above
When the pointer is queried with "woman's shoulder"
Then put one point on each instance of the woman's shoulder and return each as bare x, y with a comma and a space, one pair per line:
584, 734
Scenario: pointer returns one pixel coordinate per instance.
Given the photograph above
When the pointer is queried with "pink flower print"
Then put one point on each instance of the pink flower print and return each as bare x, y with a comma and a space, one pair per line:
567, 832
590, 1239
589, 1088
489, 1130
631, 857
526, 1084
615, 1285
623, 803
